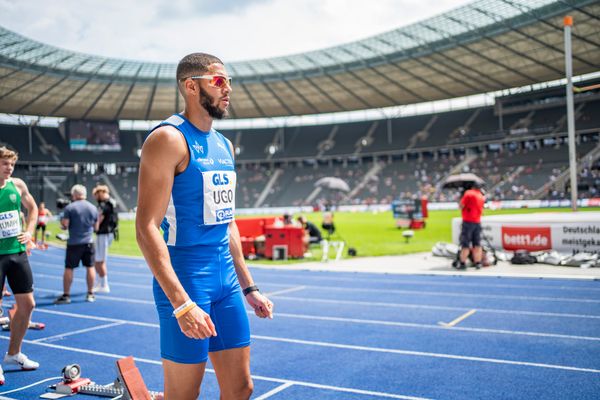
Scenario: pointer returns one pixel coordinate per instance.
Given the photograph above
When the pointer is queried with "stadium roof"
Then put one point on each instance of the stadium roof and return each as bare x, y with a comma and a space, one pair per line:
484, 46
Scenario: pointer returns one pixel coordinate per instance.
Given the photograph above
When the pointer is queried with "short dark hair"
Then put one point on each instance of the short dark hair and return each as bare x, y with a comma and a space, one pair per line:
195, 64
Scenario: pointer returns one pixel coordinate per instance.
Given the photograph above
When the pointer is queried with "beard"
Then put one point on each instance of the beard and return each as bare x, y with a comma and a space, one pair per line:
207, 102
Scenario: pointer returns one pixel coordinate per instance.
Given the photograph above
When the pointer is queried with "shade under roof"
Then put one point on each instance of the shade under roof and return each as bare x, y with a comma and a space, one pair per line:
484, 46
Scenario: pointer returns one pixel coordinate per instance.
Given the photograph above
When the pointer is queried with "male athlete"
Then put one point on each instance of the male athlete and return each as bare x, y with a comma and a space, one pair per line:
44, 216
14, 265
187, 187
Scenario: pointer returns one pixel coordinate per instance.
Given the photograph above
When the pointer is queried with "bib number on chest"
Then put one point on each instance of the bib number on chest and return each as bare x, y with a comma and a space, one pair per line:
10, 224
219, 197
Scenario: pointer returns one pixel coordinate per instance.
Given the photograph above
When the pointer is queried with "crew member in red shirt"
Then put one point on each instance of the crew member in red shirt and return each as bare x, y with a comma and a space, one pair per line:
471, 205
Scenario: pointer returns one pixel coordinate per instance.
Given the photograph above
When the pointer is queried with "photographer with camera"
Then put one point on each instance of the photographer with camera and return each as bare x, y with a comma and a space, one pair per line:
107, 229
81, 219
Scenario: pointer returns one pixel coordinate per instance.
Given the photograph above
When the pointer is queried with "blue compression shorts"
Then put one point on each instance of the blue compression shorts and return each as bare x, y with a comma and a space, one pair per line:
208, 276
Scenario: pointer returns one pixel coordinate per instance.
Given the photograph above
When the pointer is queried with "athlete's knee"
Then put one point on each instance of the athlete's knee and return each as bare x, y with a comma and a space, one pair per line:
249, 388
25, 304
242, 391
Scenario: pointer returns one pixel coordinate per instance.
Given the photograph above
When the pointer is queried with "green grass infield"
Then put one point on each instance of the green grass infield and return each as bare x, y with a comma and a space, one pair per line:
370, 233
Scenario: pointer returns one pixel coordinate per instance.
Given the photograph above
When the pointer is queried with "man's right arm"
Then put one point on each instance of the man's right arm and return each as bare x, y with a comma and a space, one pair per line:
163, 154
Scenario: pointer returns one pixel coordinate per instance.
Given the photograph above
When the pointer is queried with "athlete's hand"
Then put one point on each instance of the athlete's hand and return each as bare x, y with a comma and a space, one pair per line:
196, 324
24, 237
262, 306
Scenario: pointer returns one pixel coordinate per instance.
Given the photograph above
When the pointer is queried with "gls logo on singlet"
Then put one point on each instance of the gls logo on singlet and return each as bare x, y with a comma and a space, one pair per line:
220, 179
219, 196
225, 195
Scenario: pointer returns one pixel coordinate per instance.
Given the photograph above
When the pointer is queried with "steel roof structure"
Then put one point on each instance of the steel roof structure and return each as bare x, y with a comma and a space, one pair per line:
484, 46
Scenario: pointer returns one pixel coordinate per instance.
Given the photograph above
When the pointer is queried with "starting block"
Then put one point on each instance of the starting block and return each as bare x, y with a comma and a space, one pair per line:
5, 321
129, 384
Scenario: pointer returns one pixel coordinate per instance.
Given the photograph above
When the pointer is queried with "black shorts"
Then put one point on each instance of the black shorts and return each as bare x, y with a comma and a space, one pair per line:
15, 268
470, 234
79, 252
41, 226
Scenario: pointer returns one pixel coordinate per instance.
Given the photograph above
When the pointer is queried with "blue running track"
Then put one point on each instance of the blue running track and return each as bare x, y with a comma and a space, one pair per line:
350, 336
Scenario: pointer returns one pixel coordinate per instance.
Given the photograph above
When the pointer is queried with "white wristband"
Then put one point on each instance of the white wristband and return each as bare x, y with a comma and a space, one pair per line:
181, 307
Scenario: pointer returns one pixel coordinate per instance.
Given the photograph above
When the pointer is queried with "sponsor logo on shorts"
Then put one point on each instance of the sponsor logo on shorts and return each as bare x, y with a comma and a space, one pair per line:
224, 214
526, 238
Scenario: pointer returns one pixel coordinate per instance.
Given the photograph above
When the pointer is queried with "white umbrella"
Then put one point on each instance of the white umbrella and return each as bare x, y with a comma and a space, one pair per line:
332, 183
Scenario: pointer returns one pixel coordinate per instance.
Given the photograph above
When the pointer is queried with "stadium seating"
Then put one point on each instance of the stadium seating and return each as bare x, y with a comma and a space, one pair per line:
404, 156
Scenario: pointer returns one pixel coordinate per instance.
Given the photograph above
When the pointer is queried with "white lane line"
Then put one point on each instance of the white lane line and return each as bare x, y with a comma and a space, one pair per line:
411, 292
283, 291
257, 377
438, 327
64, 335
39, 264
360, 321
95, 318
404, 352
345, 390
85, 351
118, 261
102, 297
112, 282
459, 319
401, 281
341, 319
276, 273
425, 354
429, 307
278, 389
140, 264
370, 303
450, 294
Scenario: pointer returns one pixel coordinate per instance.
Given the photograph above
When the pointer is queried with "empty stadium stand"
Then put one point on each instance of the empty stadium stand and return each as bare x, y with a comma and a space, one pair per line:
518, 146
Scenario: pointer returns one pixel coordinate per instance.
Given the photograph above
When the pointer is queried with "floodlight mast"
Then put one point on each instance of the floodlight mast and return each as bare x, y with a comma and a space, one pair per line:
568, 23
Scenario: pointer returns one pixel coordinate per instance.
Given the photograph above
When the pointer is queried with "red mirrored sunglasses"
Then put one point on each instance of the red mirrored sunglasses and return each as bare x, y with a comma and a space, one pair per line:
218, 81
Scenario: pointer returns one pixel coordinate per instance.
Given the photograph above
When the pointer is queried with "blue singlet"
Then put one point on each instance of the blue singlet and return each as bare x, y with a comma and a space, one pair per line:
196, 230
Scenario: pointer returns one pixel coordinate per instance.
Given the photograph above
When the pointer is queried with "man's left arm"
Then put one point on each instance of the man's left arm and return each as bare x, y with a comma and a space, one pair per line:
262, 306
32, 211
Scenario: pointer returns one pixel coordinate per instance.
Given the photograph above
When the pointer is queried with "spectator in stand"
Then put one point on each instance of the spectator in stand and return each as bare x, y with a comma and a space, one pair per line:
471, 205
